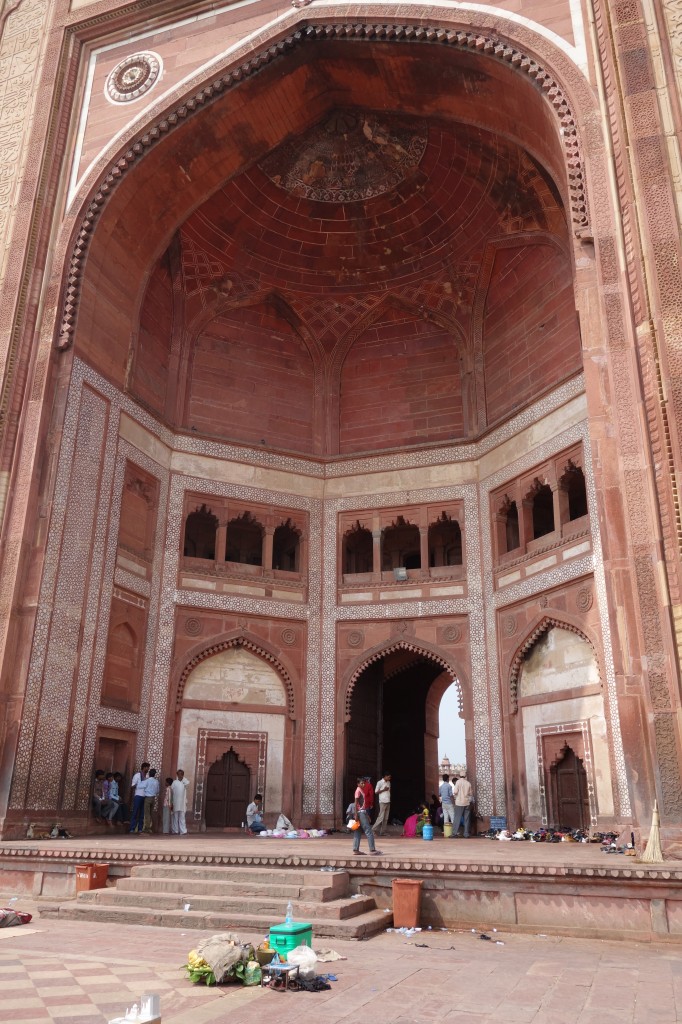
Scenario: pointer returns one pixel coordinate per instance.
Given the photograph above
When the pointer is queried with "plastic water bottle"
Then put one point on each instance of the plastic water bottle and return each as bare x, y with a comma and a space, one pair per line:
289, 919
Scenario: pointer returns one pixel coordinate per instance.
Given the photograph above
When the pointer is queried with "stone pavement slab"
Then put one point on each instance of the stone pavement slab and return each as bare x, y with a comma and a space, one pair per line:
69, 971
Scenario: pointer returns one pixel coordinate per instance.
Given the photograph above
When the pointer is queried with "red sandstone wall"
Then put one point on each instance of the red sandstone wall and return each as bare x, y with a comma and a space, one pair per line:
400, 384
150, 371
252, 381
530, 332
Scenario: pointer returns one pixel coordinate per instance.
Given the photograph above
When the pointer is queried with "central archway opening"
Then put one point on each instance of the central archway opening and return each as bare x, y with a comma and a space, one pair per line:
394, 725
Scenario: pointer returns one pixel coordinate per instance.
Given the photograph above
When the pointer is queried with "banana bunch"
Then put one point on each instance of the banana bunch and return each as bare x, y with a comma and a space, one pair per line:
198, 970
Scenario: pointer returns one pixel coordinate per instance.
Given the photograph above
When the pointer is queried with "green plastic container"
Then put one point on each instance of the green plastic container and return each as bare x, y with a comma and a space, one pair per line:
285, 937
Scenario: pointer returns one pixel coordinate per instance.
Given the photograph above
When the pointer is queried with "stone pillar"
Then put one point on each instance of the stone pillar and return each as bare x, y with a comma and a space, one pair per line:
556, 501
376, 552
525, 522
424, 548
267, 548
221, 542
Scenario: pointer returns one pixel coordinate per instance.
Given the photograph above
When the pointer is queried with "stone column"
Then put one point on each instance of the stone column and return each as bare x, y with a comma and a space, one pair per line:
376, 552
267, 547
221, 542
424, 548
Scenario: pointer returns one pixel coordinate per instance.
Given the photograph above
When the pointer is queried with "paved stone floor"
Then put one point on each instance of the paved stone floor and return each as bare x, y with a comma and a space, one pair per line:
66, 971
393, 847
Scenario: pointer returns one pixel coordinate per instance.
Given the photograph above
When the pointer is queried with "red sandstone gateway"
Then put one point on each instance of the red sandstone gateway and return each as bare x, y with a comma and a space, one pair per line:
343, 371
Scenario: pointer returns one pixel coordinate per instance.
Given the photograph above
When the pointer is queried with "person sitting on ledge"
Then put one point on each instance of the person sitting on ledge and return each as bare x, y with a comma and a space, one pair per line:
254, 819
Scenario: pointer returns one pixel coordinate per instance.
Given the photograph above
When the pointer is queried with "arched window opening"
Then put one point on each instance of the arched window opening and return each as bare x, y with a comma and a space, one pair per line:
572, 484
542, 503
200, 534
358, 550
445, 542
286, 547
510, 516
400, 546
244, 540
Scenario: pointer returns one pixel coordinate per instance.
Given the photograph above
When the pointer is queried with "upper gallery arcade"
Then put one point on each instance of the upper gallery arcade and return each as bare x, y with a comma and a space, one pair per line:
335, 428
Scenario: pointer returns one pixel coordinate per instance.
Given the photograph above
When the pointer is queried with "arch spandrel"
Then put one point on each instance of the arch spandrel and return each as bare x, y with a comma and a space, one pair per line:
248, 642
542, 626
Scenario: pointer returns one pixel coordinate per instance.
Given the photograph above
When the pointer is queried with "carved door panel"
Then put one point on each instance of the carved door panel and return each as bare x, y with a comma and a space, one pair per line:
569, 786
228, 791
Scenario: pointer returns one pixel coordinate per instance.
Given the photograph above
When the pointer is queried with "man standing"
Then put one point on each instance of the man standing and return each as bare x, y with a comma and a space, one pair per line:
463, 795
151, 791
179, 803
383, 793
446, 800
138, 790
362, 815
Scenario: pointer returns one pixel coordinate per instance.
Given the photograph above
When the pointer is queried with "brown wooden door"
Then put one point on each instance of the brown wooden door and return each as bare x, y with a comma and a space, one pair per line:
228, 791
569, 785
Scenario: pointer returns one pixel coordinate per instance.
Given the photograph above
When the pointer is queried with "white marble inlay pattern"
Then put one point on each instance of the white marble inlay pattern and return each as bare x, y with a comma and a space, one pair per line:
255, 606
408, 609
82, 710
553, 577
129, 581
61, 661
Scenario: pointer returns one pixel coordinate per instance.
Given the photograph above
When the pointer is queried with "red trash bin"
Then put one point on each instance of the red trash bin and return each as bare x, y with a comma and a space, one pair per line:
91, 876
406, 899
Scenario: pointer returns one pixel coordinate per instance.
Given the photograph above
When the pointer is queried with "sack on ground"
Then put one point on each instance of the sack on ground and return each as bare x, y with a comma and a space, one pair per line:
305, 958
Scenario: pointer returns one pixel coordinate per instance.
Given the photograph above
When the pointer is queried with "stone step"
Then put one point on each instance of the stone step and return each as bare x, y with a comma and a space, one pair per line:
369, 923
336, 880
201, 886
254, 904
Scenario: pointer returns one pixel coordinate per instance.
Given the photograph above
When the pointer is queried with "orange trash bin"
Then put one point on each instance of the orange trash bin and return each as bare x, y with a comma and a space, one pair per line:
406, 899
91, 876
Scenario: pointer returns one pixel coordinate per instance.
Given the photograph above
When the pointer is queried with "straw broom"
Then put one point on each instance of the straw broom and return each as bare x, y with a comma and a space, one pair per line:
653, 853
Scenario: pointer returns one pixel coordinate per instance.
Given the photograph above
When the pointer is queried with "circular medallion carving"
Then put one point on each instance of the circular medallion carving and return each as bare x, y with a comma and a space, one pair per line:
133, 77
544, 601
355, 638
193, 627
289, 637
453, 634
510, 625
583, 599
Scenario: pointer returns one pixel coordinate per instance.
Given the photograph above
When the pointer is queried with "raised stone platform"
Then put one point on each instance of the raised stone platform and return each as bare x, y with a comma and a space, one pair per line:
567, 888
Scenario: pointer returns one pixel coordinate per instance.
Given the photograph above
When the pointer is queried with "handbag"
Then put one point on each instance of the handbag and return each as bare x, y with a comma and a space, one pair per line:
353, 824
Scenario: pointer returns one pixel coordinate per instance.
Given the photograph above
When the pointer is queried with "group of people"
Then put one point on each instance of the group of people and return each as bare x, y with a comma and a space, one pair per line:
455, 801
451, 806
109, 807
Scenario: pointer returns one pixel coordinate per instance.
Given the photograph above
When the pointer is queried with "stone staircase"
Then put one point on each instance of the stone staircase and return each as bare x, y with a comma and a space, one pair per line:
229, 899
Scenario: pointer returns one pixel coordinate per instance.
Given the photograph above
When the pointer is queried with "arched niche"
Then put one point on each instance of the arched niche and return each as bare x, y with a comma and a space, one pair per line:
234, 698
561, 704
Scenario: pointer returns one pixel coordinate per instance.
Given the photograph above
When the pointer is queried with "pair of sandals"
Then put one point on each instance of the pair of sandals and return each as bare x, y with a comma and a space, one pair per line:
300, 985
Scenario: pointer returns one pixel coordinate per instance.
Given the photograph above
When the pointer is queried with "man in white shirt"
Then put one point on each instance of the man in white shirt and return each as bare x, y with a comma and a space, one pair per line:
463, 794
151, 791
254, 820
382, 791
179, 803
137, 787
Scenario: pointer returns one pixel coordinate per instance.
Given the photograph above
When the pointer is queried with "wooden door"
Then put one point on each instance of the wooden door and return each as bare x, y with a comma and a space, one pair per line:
569, 786
228, 791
